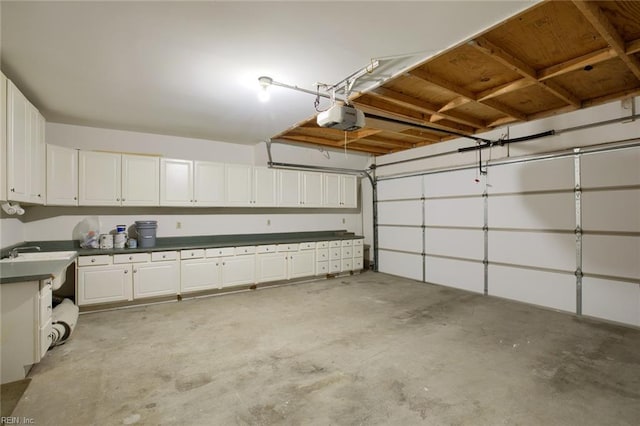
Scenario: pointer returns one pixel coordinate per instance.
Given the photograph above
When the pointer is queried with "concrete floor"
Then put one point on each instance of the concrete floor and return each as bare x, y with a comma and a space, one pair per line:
363, 350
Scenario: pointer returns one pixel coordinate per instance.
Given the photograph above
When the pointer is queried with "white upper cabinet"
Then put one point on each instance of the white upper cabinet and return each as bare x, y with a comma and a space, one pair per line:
209, 184
312, 189
331, 190
239, 185
349, 191
176, 182
289, 194
18, 145
62, 176
140, 180
25, 158
99, 182
3, 134
264, 187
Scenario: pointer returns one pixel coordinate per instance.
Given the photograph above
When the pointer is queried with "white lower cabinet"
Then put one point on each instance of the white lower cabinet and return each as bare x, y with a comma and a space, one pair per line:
271, 266
156, 279
238, 270
104, 284
302, 263
26, 332
199, 274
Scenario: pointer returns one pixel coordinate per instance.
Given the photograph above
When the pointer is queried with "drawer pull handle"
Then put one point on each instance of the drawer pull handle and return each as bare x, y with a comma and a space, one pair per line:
130, 257
93, 260
164, 256
126, 271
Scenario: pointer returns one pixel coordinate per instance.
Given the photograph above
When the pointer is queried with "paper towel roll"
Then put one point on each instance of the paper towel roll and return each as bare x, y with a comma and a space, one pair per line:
65, 315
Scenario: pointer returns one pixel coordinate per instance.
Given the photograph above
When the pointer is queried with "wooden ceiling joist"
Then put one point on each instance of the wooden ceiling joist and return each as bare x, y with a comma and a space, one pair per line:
601, 23
519, 66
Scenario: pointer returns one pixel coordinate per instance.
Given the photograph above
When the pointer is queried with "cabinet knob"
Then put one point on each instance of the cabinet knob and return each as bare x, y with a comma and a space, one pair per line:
126, 271
124, 199
13, 190
192, 254
93, 260
135, 270
75, 198
117, 199
39, 195
130, 257
223, 263
164, 256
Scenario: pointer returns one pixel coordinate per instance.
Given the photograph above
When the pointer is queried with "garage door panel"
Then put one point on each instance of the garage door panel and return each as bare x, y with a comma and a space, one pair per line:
467, 212
455, 183
400, 264
613, 255
400, 213
611, 210
536, 249
397, 238
465, 243
611, 300
606, 169
533, 211
553, 290
541, 175
401, 188
455, 273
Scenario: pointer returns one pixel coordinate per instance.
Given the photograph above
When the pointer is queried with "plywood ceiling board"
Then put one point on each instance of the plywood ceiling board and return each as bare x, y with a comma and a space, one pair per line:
468, 68
605, 78
625, 16
479, 110
532, 100
419, 88
550, 34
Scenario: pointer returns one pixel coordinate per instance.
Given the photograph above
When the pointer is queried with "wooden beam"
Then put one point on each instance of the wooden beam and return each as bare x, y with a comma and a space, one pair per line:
442, 83
303, 139
313, 139
505, 109
601, 23
628, 93
422, 106
502, 121
632, 47
519, 66
505, 88
359, 135
388, 143
578, 63
422, 134
360, 146
457, 102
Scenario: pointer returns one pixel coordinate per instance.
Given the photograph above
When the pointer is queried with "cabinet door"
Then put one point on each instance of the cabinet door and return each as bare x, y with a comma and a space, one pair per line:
156, 279
37, 164
238, 270
302, 263
18, 145
239, 184
176, 182
331, 188
199, 274
99, 180
140, 180
289, 188
349, 191
3, 135
271, 267
209, 184
104, 284
312, 189
264, 187
62, 176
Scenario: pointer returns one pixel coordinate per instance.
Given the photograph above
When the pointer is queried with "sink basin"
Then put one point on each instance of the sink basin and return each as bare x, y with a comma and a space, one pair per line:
41, 255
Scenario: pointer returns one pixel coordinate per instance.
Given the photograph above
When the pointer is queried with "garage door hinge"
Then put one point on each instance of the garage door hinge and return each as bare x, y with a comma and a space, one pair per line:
579, 273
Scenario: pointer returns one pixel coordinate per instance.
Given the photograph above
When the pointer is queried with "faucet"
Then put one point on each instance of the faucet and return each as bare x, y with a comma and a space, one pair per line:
15, 251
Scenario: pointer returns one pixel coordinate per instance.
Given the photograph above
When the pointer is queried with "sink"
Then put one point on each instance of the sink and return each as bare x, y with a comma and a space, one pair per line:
41, 255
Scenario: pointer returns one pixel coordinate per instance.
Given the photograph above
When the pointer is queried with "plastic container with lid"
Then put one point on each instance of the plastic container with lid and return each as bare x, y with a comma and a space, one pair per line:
146, 230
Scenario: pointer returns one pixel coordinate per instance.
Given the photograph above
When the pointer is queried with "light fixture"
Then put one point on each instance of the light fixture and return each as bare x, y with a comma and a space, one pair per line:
263, 94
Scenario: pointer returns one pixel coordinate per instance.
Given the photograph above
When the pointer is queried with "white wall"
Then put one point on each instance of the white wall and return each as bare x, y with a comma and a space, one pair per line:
57, 223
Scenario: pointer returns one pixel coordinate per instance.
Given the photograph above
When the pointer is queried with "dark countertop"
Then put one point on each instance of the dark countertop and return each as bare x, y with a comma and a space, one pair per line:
13, 272
37, 270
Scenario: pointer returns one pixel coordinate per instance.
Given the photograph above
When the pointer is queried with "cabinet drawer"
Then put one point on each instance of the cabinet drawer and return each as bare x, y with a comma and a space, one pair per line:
335, 253
358, 243
101, 259
347, 243
191, 254
336, 243
322, 268
347, 252
357, 264
334, 266
45, 338
347, 264
322, 244
45, 308
322, 254
221, 251
271, 248
357, 251
159, 256
288, 247
245, 250
307, 246
131, 258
